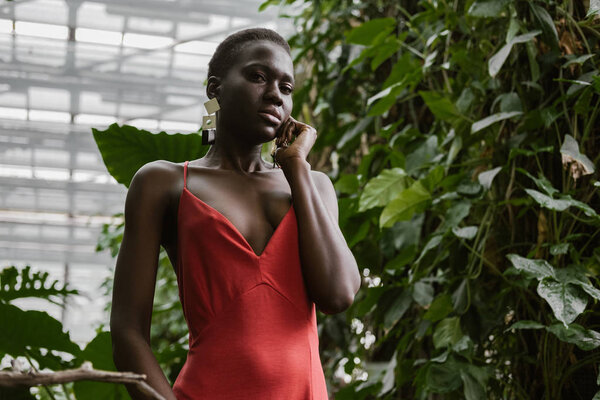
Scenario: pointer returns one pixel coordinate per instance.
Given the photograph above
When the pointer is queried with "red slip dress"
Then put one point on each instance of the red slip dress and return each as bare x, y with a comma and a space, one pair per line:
252, 326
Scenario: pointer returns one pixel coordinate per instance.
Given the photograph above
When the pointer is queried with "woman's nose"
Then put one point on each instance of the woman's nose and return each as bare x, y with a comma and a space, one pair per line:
273, 94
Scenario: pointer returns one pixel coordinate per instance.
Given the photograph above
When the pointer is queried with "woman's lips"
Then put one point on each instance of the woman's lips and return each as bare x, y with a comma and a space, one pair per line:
269, 118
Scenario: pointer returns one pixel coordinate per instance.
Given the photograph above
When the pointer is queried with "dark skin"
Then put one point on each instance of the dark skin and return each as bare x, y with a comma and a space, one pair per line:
251, 194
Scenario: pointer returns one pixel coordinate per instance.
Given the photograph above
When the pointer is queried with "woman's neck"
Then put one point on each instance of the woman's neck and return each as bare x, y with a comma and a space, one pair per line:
234, 155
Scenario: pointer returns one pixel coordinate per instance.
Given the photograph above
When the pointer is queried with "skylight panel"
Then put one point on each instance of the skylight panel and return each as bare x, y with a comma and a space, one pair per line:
41, 30
94, 120
6, 26
145, 41
13, 113
98, 36
197, 47
49, 116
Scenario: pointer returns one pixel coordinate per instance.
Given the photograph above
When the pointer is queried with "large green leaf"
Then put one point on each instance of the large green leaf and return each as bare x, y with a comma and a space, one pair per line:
402, 208
366, 33
443, 377
125, 149
485, 178
560, 204
397, 309
31, 329
99, 353
473, 390
566, 300
382, 189
585, 339
439, 308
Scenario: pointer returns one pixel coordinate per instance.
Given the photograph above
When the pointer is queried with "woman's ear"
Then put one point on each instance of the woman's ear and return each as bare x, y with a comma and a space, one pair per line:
213, 87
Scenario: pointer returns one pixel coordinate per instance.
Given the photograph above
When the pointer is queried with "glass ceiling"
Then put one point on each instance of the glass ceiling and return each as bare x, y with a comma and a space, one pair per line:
67, 66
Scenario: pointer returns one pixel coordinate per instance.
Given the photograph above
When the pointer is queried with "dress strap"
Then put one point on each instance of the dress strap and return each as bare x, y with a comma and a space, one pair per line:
185, 168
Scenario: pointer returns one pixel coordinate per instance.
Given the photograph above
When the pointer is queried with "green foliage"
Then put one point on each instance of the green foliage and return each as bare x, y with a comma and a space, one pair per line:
462, 138
125, 149
15, 284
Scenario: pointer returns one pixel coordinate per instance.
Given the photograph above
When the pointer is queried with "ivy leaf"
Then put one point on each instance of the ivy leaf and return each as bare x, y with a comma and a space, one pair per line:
382, 189
525, 325
125, 149
366, 33
492, 119
498, 59
585, 339
487, 8
17, 284
447, 333
485, 178
409, 201
539, 269
566, 300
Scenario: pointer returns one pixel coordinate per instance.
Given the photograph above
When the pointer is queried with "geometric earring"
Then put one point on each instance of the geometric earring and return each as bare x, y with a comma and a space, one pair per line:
209, 122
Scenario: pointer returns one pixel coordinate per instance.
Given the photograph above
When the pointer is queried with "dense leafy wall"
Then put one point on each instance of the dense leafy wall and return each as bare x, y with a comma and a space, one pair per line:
462, 137
457, 134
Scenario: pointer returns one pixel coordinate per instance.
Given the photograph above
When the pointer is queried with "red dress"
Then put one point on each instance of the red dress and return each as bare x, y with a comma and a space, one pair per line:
253, 331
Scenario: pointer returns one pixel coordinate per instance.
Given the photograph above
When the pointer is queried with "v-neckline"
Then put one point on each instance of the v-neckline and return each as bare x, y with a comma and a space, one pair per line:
236, 230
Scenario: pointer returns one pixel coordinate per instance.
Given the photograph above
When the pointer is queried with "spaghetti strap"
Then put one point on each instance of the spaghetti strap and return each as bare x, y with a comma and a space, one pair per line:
185, 167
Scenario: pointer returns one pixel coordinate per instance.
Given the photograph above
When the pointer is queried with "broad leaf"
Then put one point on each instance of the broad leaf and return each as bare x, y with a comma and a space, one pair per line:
443, 377
407, 203
539, 269
472, 388
566, 300
487, 8
492, 119
423, 293
23, 329
440, 308
99, 353
585, 339
366, 33
447, 333
397, 309
382, 189
125, 149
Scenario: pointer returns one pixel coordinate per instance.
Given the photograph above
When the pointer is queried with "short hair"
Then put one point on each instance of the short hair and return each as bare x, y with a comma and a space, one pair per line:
228, 49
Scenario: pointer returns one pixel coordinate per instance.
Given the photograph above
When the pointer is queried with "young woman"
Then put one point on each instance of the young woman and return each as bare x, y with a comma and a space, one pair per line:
255, 247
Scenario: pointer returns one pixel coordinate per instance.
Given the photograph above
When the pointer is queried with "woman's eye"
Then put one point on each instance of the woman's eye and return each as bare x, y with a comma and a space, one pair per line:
287, 89
258, 77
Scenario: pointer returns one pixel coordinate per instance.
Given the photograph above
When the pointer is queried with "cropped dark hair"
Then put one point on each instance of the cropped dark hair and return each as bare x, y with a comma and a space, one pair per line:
228, 49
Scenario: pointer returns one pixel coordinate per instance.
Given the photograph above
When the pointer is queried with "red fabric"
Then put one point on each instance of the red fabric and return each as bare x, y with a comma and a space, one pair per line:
253, 330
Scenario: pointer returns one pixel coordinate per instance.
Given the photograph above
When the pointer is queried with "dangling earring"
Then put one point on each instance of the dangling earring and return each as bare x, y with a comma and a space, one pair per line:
209, 122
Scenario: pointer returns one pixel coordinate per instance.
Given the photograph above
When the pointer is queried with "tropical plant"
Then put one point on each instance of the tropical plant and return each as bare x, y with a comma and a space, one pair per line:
462, 137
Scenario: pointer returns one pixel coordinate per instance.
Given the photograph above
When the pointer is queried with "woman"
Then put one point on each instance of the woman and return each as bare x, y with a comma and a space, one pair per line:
255, 248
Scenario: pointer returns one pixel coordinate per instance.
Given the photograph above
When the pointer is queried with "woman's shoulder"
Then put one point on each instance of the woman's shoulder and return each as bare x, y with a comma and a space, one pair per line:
159, 177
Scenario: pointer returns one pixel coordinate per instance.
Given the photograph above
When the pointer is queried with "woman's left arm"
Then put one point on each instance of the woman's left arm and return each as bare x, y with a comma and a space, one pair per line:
328, 265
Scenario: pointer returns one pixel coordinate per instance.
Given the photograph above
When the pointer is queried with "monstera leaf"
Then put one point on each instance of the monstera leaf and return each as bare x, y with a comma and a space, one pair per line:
125, 149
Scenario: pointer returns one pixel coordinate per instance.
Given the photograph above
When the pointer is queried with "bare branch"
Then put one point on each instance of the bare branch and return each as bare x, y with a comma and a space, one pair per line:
85, 372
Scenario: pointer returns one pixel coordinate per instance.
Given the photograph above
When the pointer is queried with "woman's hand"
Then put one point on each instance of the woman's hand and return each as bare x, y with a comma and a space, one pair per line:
305, 136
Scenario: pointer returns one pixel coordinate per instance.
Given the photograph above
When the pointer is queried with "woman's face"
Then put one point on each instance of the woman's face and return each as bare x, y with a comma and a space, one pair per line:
256, 93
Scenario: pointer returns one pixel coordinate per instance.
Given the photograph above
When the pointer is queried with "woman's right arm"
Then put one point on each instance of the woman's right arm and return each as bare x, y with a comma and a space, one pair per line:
135, 277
